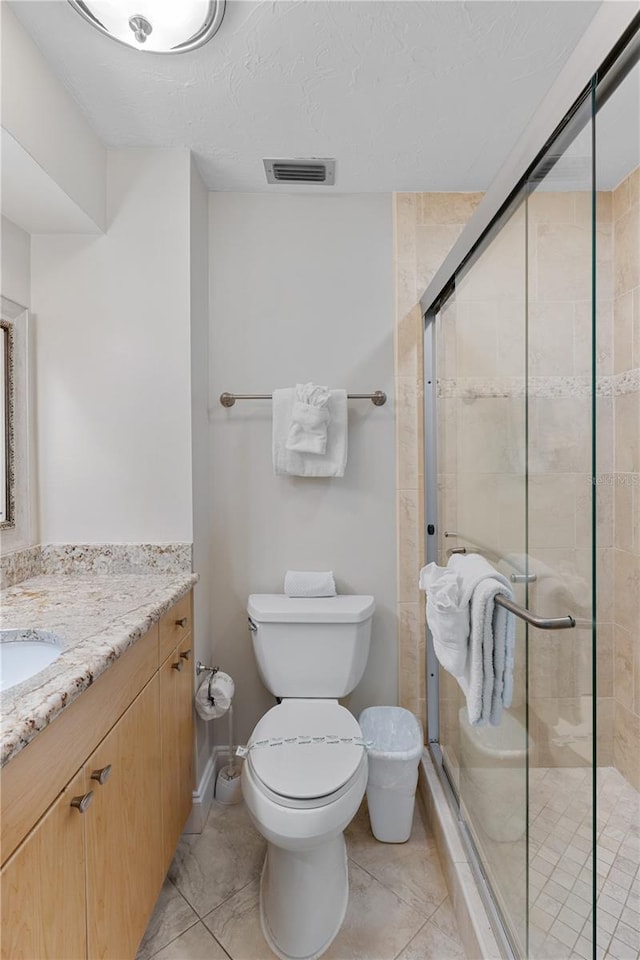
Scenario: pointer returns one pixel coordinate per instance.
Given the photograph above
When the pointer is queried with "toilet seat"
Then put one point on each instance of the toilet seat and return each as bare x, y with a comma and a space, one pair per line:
306, 775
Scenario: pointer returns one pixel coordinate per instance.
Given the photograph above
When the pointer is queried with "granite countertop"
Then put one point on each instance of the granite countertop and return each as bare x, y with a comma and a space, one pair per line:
97, 617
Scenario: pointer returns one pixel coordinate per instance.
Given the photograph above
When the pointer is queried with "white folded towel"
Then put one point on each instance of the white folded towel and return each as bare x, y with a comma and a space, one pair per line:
470, 630
309, 583
309, 420
292, 463
488, 676
447, 619
214, 695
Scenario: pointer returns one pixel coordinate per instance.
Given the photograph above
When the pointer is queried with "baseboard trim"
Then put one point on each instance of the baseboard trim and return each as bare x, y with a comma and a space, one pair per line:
203, 794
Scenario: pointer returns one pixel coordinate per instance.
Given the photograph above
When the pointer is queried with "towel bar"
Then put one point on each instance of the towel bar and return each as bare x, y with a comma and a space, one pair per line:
378, 397
556, 623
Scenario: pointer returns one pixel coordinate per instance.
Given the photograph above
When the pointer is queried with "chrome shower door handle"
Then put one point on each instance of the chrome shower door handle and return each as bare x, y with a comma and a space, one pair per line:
540, 623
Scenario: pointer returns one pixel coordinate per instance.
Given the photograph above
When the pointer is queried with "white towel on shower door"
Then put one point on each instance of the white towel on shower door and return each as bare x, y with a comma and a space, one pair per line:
487, 681
447, 616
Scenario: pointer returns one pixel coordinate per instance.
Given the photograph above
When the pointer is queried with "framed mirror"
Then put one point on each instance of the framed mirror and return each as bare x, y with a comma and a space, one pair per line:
16, 429
7, 425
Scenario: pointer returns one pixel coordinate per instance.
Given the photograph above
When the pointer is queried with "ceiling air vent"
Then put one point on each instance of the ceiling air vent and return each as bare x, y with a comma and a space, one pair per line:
315, 170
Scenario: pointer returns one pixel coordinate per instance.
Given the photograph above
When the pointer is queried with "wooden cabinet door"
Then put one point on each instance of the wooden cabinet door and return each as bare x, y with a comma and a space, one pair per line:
176, 736
43, 887
175, 625
124, 831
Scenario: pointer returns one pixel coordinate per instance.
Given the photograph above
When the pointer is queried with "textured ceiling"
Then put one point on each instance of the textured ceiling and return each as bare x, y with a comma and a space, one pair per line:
421, 95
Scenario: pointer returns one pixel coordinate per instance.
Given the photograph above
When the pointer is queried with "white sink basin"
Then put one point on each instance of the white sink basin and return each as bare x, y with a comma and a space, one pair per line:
23, 653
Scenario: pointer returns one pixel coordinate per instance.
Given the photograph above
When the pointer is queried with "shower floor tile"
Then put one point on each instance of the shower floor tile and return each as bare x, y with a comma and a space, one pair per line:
561, 906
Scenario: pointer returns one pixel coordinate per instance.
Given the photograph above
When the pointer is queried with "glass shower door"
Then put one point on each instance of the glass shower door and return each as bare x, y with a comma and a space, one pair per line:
515, 408
482, 433
563, 561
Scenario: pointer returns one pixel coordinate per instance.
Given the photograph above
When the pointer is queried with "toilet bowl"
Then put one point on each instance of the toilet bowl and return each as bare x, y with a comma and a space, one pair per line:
303, 780
305, 772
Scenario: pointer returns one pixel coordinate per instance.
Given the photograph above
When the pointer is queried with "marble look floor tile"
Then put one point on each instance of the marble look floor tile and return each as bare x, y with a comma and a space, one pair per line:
445, 918
195, 944
431, 942
211, 866
378, 923
171, 917
377, 926
236, 925
412, 869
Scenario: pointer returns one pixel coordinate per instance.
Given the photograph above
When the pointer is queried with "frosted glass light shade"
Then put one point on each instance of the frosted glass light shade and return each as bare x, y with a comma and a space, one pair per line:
155, 26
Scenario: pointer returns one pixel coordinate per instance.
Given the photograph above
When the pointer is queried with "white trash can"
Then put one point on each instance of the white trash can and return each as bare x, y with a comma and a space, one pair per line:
393, 770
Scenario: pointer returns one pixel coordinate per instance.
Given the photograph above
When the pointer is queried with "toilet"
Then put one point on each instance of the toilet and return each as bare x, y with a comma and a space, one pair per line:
305, 771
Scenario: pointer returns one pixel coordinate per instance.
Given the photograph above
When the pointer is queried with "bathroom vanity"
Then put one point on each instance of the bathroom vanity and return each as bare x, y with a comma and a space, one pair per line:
97, 774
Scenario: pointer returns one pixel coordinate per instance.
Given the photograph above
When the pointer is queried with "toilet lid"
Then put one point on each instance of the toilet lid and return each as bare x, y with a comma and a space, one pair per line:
304, 771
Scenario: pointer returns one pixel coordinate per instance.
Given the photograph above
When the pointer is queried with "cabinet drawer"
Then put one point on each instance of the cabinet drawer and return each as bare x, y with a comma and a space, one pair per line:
175, 624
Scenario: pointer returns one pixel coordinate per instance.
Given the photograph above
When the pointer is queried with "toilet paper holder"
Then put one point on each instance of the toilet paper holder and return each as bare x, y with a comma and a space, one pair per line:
203, 668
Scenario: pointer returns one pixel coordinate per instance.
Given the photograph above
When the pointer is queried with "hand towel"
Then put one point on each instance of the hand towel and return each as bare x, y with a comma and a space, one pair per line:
294, 464
447, 619
309, 420
488, 677
303, 583
214, 695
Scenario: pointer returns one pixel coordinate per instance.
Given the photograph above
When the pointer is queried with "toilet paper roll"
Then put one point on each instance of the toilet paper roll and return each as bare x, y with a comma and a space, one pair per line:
309, 583
214, 696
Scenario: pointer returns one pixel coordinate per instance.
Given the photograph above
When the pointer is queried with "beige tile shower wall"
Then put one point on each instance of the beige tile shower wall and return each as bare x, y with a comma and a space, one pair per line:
626, 477
425, 228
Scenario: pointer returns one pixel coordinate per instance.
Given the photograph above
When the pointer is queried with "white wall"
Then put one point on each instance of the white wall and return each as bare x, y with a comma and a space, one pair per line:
41, 116
301, 289
112, 320
15, 277
202, 535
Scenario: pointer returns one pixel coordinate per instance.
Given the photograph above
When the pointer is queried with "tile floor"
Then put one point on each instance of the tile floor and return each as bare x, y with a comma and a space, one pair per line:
561, 872
208, 908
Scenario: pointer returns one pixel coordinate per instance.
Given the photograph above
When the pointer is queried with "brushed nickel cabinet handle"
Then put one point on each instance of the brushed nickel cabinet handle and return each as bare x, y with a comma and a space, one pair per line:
186, 654
82, 803
182, 622
102, 775
178, 665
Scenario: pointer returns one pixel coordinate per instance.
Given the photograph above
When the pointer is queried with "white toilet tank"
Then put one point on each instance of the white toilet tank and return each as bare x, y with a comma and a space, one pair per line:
310, 647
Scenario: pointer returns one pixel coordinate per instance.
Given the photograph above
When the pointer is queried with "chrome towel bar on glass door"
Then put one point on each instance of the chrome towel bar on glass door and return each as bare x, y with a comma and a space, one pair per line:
556, 623
378, 397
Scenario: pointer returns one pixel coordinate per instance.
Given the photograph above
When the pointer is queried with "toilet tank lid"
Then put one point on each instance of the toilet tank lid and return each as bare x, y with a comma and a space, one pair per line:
278, 608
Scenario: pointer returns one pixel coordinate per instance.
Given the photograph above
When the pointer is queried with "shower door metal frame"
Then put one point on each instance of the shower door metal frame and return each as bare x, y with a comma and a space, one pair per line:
431, 514
497, 921
600, 62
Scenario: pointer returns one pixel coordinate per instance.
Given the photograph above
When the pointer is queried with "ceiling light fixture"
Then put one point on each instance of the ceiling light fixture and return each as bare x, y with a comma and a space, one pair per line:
155, 26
